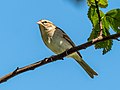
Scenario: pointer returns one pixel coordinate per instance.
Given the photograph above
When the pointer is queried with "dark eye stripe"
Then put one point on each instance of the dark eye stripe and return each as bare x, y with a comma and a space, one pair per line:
44, 22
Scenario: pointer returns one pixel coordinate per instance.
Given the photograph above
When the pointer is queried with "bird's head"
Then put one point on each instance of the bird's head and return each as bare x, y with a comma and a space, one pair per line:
46, 25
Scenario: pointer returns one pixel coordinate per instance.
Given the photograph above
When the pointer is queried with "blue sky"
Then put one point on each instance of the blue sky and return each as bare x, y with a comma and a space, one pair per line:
21, 44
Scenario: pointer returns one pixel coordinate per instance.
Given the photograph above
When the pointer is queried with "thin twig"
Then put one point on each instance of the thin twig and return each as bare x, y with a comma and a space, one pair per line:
55, 57
99, 17
117, 39
99, 22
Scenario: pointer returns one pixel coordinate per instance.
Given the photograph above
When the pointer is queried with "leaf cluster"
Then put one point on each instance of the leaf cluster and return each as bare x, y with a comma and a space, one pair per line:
111, 19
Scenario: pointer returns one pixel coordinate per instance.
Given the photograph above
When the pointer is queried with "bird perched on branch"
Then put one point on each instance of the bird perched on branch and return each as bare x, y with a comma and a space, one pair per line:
58, 41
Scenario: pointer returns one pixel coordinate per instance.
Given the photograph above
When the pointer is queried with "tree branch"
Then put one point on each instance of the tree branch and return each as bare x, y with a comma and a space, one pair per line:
18, 70
99, 22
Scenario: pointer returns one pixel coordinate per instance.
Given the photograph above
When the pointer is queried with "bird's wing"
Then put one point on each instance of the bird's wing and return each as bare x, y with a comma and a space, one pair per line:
68, 39
64, 35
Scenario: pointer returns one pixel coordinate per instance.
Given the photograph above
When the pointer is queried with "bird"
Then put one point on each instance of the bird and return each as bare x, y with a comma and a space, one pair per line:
58, 41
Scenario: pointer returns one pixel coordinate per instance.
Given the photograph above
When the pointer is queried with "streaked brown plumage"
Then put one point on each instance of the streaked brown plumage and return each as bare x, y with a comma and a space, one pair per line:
58, 41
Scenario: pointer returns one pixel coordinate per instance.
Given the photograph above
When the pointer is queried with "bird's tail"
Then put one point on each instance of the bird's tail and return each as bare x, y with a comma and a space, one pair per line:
85, 66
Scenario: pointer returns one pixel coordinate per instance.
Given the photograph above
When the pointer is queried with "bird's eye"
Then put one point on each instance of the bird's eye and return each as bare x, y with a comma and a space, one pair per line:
44, 22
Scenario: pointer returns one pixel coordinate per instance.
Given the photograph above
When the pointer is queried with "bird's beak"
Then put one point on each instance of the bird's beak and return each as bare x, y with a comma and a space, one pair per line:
39, 22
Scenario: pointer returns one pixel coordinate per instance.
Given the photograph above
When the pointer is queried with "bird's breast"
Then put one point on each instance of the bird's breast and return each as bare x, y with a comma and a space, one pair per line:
57, 43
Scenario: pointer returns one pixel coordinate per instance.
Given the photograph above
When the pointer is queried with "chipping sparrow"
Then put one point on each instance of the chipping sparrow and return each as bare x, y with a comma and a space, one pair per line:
58, 41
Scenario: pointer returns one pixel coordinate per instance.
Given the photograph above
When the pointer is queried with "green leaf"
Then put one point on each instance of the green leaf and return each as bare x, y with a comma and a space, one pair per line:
95, 32
113, 18
101, 3
106, 46
91, 2
92, 15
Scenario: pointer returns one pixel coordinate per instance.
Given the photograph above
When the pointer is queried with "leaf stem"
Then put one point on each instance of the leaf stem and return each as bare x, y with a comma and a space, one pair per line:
99, 22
